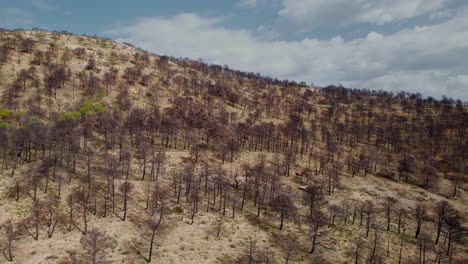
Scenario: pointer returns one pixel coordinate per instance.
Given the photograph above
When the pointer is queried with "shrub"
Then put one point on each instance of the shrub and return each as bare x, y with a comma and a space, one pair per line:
4, 113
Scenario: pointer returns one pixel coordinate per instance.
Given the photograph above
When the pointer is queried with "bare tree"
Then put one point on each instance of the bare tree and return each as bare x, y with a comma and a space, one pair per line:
219, 225
455, 231
429, 174
289, 159
10, 232
420, 215
52, 213
407, 166
154, 226
313, 196
285, 206
158, 158
335, 211
194, 201
125, 189
373, 252
142, 155
357, 250
389, 203
95, 243
422, 241
316, 221
443, 211
70, 202
369, 210
197, 150
82, 197
35, 217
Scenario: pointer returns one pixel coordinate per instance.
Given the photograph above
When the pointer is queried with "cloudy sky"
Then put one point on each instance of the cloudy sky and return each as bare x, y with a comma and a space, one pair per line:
412, 45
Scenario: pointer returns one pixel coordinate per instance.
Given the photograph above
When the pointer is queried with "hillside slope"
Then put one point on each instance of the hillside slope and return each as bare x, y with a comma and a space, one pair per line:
109, 149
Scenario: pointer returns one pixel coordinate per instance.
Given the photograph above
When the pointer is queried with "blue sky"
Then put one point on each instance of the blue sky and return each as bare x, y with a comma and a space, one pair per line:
413, 45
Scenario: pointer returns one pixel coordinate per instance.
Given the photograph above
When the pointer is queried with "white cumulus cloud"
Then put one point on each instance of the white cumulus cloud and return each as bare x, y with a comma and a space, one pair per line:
431, 60
316, 13
249, 3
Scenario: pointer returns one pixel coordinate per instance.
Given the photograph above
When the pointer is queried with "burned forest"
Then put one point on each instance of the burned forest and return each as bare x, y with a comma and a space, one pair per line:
112, 154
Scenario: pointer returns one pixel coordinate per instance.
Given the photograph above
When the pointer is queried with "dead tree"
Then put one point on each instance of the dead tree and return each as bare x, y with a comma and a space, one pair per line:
95, 243
125, 189
82, 197
10, 232
285, 206
389, 203
154, 226
35, 218
369, 210
357, 250
443, 211
52, 213
420, 214
316, 221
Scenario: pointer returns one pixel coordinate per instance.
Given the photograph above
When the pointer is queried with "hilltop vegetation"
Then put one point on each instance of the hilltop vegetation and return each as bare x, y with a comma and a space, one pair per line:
110, 153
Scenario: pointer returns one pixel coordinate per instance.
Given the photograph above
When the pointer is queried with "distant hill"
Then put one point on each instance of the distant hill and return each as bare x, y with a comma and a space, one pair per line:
110, 153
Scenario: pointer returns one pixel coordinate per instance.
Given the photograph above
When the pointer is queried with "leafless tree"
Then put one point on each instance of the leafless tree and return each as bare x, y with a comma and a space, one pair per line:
35, 217
420, 215
125, 189
52, 213
82, 197
285, 206
154, 225
389, 203
316, 221
10, 232
443, 212
369, 210
95, 244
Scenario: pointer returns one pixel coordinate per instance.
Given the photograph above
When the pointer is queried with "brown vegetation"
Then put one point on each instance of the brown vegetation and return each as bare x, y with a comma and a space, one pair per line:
123, 156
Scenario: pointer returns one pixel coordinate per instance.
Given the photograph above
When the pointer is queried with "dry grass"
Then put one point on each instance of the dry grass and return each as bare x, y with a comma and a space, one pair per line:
179, 241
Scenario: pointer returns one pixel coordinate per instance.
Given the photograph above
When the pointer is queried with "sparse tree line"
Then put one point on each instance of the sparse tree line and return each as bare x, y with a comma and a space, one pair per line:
256, 189
82, 160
